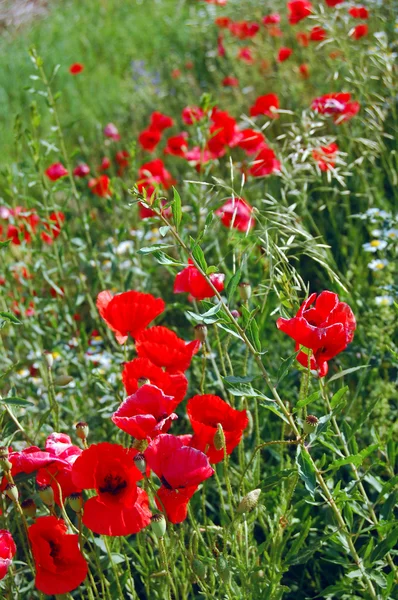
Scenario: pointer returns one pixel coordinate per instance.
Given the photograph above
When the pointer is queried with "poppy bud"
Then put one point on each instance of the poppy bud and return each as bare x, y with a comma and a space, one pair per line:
310, 424
200, 332
223, 569
76, 502
158, 524
140, 445
46, 494
249, 502
82, 430
63, 380
5, 464
11, 491
29, 508
219, 438
143, 381
48, 357
235, 314
245, 290
140, 462
199, 568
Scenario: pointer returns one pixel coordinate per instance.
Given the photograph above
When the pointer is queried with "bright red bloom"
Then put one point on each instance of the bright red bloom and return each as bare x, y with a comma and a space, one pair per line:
245, 55
26, 222
272, 19
251, 141
177, 145
59, 474
160, 122
230, 81
265, 105
53, 227
7, 551
128, 312
76, 68
82, 170
153, 174
298, 10
205, 412
99, 186
149, 139
111, 131
192, 114
30, 460
56, 171
105, 164
318, 34
192, 281
284, 53
338, 105
122, 159
304, 71
243, 29
360, 31
325, 156
334, 2
265, 163
165, 349
222, 22
120, 507
326, 329
359, 12
236, 213
223, 133
60, 566
180, 469
147, 413
141, 368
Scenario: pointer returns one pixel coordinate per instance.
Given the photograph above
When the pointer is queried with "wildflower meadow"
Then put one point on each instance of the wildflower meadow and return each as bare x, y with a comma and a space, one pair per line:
198, 300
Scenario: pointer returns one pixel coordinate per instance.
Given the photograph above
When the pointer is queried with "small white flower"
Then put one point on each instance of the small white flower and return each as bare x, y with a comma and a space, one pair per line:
392, 234
124, 247
374, 245
378, 264
384, 300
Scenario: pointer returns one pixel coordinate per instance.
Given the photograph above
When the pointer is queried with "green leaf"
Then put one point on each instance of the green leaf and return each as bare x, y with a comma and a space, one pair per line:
5, 244
233, 284
336, 398
271, 405
15, 401
163, 230
354, 459
8, 370
306, 470
9, 317
233, 379
176, 208
255, 334
385, 546
307, 400
285, 367
154, 248
199, 257
165, 259
209, 317
347, 372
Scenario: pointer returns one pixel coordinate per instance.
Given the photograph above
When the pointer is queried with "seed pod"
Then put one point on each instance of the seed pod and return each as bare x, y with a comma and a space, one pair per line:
249, 502
76, 502
140, 462
140, 445
29, 507
11, 491
200, 332
143, 381
5, 464
158, 524
82, 430
46, 494
223, 569
219, 438
245, 291
199, 568
63, 380
310, 424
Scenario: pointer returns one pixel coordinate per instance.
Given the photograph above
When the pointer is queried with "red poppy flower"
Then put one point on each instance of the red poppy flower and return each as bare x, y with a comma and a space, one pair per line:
265, 163
243, 29
192, 281
76, 68
120, 507
223, 133
122, 159
28, 461
128, 312
325, 156
82, 170
304, 71
205, 412
222, 22
180, 469
60, 566
359, 12
154, 174
284, 53
192, 114
100, 186
177, 145
198, 157
160, 122
7, 551
149, 139
298, 10
147, 413
318, 34
220, 46
245, 55
111, 131
338, 105
360, 31
141, 368
326, 329
165, 349
105, 164
265, 105
56, 171
236, 213
230, 82
272, 19
53, 227
334, 2
251, 141
176, 73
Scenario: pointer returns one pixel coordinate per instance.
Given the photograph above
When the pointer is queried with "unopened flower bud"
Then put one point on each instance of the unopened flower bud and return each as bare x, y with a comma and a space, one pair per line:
219, 438
29, 507
143, 381
76, 502
11, 491
200, 332
5, 464
199, 568
235, 313
140, 445
140, 462
82, 430
63, 380
245, 290
158, 524
46, 494
48, 357
310, 424
223, 569
249, 502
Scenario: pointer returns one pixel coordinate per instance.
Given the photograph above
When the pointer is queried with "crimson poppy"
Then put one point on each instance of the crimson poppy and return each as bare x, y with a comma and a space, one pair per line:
223, 132
154, 174
222, 22
128, 312
141, 368
192, 281
220, 46
338, 105
99, 186
177, 145
236, 213
192, 114
298, 10
265, 105
272, 19
359, 12
30, 460
245, 55
120, 507
180, 469
251, 141
360, 31
160, 122
7, 551
56, 171
76, 68
284, 53
82, 170
230, 82
149, 139
111, 131
325, 156
122, 159
204, 413
243, 29
165, 349
198, 157
304, 71
53, 228
60, 566
265, 163
105, 164
333, 3
318, 34
326, 329
146, 413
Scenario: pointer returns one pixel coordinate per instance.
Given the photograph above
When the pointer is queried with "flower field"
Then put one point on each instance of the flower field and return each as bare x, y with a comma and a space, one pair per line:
198, 301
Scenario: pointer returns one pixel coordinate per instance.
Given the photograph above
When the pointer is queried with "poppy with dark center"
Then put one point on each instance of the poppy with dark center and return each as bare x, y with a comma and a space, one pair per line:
175, 385
325, 329
190, 280
7, 551
165, 349
177, 145
236, 213
128, 313
120, 507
